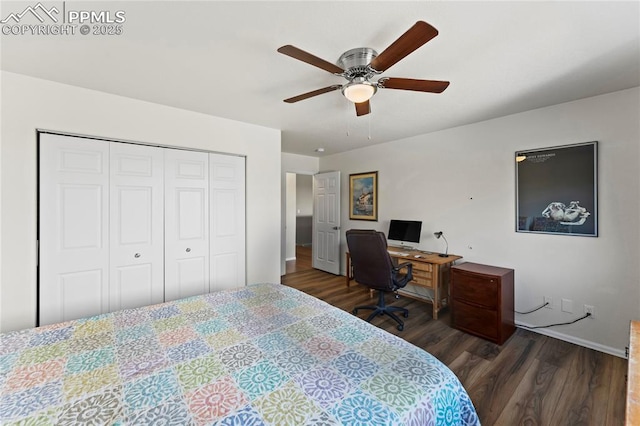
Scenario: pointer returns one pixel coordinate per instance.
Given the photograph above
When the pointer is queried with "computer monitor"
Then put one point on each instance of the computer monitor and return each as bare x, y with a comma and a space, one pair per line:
404, 231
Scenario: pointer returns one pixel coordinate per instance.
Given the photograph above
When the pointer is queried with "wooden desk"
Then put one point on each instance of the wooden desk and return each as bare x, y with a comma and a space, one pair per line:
429, 271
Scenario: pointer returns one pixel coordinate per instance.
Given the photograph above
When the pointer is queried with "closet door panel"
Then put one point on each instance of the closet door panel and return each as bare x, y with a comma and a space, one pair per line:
137, 226
186, 223
227, 221
73, 228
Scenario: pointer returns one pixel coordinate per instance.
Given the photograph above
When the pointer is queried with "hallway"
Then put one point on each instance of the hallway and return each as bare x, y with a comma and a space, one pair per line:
302, 261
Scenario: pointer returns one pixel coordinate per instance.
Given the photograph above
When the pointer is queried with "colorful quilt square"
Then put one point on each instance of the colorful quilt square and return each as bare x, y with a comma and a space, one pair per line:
274, 342
199, 372
137, 348
324, 347
259, 379
171, 323
211, 326
29, 401
246, 416
215, 400
240, 356
49, 337
91, 326
177, 337
136, 332
295, 361
355, 366
40, 354
87, 361
151, 391
142, 366
164, 311
225, 339
360, 409
187, 351
171, 413
286, 406
395, 391
90, 343
91, 381
32, 375
104, 408
325, 386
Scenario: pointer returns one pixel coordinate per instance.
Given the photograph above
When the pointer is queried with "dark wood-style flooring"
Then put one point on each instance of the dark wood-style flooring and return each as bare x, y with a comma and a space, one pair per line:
530, 380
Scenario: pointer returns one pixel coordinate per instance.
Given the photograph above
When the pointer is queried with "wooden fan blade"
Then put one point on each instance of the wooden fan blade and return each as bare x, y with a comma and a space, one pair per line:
310, 59
433, 86
313, 93
363, 108
415, 37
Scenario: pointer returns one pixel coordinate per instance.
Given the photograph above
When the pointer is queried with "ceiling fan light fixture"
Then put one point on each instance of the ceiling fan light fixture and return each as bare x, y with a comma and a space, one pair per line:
359, 90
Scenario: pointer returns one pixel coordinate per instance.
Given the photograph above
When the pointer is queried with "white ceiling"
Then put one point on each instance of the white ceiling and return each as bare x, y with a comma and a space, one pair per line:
220, 58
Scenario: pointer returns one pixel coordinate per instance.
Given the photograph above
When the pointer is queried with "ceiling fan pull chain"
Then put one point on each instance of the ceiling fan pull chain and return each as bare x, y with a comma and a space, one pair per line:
347, 116
369, 119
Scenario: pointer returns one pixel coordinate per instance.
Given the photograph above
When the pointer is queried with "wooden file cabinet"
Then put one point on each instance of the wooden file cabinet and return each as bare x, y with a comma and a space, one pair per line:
482, 301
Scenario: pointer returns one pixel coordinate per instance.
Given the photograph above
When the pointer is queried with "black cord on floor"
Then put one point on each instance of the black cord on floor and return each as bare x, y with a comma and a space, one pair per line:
552, 325
533, 310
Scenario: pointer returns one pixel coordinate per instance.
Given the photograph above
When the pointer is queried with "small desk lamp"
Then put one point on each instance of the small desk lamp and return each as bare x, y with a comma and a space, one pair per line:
446, 250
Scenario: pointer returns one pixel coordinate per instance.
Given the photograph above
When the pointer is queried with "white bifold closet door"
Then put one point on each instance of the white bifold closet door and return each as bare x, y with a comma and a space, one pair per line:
136, 272
227, 177
74, 228
125, 225
187, 223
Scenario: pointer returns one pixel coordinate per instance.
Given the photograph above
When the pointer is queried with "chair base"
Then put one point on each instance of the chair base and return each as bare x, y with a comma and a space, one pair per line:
383, 309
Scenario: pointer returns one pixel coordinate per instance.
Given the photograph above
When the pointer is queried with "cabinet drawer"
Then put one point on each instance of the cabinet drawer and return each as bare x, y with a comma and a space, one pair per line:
477, 289
475, 320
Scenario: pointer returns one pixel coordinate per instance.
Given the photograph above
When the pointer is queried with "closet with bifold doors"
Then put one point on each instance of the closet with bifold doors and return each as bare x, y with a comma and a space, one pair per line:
124, 225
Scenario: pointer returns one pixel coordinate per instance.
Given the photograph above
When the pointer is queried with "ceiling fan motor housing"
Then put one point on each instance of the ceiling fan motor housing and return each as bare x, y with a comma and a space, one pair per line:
356, 62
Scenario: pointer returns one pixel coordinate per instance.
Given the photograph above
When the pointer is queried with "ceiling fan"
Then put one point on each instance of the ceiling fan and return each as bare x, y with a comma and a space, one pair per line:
360, 65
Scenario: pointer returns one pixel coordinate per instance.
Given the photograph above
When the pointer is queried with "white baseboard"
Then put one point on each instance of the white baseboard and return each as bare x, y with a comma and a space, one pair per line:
290, 258
576, 340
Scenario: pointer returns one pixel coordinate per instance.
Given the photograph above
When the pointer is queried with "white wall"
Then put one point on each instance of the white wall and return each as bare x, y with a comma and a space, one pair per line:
29, 104
462, 181
304, 195
290, 212
292, 163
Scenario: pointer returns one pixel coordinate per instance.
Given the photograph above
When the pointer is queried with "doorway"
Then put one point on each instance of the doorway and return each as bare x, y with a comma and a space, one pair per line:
299, 222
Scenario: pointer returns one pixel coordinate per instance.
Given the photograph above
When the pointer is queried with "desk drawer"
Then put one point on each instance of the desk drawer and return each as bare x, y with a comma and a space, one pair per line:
422, 274
422, 266
423, 281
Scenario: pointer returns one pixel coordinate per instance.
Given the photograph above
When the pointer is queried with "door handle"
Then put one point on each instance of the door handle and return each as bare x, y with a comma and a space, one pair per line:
335, 228
188, 250
137, 255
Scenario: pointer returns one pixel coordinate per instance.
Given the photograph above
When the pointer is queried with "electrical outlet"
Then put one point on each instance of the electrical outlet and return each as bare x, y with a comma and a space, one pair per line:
567, 306
549, 301
589, 309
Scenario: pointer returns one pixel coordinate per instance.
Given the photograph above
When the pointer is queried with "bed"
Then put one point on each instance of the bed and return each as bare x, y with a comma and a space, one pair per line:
265, 354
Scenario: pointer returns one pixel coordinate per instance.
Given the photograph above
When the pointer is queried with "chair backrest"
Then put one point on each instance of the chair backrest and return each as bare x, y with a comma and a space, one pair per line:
372, 265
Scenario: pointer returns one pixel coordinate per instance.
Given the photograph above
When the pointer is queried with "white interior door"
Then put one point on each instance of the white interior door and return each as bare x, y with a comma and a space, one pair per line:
227, 221
73, 228
136, 226
326, 222
186, 223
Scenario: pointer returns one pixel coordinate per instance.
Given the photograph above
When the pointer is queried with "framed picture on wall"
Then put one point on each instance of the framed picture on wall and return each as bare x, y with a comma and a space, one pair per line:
557, 190
363, 196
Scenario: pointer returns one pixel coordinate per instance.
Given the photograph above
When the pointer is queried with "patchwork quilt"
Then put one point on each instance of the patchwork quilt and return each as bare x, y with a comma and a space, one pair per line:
265, 354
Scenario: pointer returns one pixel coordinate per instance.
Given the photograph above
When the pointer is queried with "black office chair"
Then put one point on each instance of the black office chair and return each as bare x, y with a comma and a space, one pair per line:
373, 267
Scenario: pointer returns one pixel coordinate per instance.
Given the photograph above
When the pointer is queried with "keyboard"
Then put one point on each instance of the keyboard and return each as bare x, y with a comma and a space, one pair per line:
398, 253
